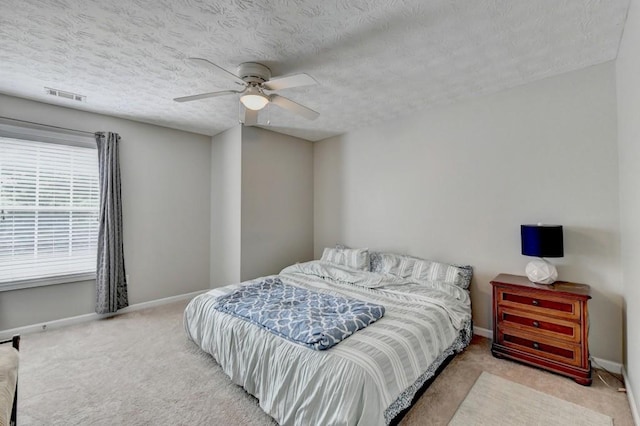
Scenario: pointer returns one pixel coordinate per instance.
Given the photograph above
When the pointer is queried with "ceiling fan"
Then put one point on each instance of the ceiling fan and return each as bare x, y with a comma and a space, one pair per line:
256, 79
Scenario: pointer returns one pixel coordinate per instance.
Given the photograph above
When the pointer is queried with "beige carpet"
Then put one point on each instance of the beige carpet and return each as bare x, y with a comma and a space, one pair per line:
499, 402
140, 369
132, 369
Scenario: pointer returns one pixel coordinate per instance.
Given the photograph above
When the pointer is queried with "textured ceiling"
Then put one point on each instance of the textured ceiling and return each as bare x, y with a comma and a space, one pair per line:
374, 59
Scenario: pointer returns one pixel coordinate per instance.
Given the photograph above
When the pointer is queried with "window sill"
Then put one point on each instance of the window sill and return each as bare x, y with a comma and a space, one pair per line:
41, 282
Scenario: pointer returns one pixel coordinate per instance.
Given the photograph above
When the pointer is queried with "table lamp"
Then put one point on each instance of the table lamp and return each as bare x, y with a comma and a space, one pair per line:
542, 241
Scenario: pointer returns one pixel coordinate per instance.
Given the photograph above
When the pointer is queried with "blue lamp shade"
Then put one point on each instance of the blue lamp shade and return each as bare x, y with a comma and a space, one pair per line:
542, 240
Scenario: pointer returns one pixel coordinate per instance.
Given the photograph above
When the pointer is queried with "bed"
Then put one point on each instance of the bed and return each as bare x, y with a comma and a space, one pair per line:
373, 374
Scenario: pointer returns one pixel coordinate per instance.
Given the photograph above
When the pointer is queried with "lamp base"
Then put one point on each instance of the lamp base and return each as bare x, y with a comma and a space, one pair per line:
541, 271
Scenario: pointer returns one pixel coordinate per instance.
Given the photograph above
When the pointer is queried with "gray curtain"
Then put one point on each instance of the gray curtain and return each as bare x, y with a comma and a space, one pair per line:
111, 284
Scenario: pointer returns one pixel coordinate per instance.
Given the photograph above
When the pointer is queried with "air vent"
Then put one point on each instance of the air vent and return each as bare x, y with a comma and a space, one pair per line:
65, 95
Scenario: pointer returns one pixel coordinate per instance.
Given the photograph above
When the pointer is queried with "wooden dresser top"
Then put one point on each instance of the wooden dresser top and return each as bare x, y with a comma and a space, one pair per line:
557, 287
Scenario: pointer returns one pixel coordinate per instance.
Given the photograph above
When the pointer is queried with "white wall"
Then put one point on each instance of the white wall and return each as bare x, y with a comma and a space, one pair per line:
628, 84
226, 162
166, 193
455, 183
277, 202
261, 203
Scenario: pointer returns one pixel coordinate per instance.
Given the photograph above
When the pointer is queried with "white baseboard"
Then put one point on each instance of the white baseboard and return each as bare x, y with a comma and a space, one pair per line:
610, 366
484, 332
614, 367
635, 411
43, 326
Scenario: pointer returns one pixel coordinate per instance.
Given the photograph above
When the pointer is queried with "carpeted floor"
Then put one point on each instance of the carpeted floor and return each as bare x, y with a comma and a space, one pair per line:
441, 400
140, 369
500, 402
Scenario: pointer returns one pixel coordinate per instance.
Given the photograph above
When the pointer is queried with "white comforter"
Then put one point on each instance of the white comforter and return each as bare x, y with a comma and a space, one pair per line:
354, 382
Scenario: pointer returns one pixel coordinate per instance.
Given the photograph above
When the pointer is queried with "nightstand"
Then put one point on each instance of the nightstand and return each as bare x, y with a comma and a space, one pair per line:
546, 326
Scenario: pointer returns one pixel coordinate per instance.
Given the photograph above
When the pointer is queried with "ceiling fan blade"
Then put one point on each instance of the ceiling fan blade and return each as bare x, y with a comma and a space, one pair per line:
250, 117
226, 73
295, 107
206, 95
288, 81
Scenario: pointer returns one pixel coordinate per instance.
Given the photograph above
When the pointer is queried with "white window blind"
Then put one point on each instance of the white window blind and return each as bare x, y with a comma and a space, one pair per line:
49, 199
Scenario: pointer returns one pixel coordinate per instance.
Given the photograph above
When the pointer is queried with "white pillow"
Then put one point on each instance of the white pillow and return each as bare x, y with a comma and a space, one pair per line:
422, 270
351, 258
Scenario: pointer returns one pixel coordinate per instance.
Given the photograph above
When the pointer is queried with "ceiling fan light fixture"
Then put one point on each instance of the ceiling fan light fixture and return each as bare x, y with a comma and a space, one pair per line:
254, 99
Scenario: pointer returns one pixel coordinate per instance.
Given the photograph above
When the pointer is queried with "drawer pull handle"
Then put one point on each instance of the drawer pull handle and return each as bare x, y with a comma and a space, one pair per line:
536, 324
536, 345
535, 302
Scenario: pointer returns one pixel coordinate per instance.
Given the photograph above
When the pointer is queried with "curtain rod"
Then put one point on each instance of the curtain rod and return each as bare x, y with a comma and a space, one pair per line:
47, 125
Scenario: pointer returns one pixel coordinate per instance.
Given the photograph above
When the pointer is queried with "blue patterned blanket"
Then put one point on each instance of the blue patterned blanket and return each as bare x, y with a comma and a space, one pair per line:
316, 320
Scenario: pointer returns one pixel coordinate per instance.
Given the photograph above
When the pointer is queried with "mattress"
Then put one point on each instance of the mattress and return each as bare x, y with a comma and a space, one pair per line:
368, 378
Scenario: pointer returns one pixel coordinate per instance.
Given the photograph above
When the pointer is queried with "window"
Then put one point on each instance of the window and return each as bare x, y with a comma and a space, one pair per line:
49, 201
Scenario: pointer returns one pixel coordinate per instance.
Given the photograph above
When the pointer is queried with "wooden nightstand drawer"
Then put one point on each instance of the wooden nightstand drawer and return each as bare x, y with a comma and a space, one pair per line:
540, 325
566, 353
538, 303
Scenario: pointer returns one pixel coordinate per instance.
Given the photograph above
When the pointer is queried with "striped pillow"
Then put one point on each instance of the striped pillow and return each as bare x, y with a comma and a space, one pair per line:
352, 258
426, 270
375, 259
